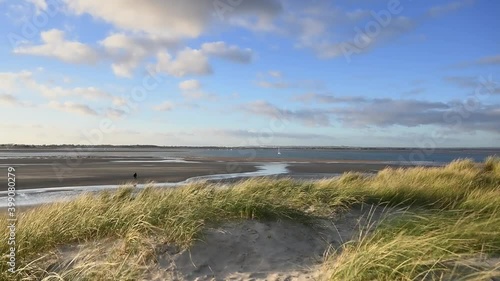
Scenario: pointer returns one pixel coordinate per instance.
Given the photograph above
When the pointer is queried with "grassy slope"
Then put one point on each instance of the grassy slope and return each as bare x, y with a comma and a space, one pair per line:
458, 223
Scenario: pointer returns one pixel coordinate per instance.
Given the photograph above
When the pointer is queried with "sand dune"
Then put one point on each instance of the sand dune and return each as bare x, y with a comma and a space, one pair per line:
259, 250
242, 250
249, 250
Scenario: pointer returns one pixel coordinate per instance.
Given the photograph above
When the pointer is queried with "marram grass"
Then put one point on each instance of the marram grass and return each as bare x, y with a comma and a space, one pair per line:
454, 227
436, 245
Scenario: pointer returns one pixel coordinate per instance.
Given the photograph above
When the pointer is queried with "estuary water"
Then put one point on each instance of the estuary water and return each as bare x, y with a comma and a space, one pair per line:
178, 154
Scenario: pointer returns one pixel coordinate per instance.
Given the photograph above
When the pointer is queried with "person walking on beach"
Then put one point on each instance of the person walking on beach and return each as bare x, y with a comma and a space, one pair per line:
135, 176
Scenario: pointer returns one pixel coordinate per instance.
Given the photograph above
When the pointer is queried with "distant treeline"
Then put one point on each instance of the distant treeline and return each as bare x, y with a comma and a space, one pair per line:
62, 146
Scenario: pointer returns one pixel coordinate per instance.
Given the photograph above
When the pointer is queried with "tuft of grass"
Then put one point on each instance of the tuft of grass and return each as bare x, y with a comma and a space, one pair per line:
466, 164
437, 245
492, 164
176, 215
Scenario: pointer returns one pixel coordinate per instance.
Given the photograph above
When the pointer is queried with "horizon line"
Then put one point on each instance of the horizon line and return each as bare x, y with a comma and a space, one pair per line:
229, 146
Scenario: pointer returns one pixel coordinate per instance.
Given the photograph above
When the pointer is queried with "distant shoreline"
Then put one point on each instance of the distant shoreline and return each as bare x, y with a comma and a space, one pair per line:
96, 147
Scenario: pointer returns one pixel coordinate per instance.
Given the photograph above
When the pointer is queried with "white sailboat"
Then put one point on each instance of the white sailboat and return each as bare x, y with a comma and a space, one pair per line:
279, 153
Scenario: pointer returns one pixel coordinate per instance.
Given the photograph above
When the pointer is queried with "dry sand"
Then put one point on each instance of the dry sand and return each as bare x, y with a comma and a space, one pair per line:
248, 250
251, 249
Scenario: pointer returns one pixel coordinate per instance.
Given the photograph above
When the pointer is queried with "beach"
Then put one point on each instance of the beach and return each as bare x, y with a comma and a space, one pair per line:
47, 173
66, 172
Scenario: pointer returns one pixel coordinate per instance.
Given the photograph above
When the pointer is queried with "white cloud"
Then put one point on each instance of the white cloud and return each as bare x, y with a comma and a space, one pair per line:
310, 30
10, 81
24, 83
157, 27
273, 85
90, 93
150, 27
54, 45
325, 98
168, 19
7, 99
16, 81
165, 106
489, 60
329, 30
260, 24
450, 7
275, 73
72, 107
187, 62
190, 85
275, 80
114, 113
127, 52
196, 61
232, 53
322, 27
119, 101
259, 134
197, 95
192, 90
307, 116
362, 42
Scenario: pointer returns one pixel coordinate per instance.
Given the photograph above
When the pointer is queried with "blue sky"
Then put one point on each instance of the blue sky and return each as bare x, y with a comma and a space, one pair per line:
241, 72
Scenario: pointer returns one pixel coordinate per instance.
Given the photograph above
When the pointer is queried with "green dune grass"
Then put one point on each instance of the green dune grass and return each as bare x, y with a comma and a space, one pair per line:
452, 228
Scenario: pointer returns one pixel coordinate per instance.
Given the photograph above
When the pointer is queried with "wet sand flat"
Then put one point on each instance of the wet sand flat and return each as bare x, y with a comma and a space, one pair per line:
38, 173
59, 172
